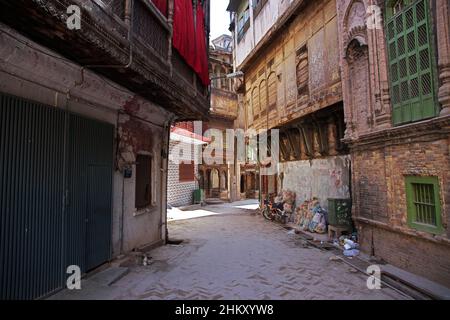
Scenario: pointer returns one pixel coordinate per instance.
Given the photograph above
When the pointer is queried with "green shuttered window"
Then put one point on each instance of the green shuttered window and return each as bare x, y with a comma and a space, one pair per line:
424, 207
411, 61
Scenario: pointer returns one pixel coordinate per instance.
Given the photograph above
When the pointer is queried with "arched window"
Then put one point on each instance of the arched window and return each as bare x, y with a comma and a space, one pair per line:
255, 103
223, 181
215, 182
272, 91
263, 96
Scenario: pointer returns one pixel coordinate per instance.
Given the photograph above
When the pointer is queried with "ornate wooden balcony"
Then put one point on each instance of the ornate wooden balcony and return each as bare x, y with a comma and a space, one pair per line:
224, 104
128, 41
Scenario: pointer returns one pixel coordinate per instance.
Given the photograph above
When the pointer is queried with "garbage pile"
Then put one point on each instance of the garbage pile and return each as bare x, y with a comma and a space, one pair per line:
348, 244
310, 216
289, 203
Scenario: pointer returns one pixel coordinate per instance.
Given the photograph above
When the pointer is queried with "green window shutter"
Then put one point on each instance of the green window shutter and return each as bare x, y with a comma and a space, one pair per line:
411, 62
423, 203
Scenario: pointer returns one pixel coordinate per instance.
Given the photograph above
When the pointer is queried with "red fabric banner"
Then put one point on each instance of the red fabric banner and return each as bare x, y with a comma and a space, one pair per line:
190, 39
201, 61
161, 5
184, 30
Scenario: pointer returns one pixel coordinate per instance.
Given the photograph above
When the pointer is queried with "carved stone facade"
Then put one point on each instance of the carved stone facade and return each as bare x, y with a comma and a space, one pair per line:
384, 155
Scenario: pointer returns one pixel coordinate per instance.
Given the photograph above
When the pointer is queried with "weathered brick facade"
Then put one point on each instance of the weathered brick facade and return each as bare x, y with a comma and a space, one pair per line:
337, 51
383, 155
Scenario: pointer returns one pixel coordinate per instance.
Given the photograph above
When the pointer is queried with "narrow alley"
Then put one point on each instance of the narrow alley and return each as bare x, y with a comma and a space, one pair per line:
224, 256
225, 150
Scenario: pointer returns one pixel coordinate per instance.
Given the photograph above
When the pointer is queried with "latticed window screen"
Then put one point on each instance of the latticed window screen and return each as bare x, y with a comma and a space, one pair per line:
424, 211
410, 61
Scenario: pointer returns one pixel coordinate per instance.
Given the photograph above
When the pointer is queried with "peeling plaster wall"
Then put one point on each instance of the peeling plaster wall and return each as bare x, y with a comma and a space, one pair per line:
321, 178
43, 76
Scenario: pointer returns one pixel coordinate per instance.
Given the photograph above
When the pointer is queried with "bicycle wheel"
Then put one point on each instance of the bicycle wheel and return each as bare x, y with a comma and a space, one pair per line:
266, 213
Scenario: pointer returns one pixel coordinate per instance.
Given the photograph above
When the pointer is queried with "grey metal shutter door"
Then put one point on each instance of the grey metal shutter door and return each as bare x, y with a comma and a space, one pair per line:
90, 191
46, 156
31, 198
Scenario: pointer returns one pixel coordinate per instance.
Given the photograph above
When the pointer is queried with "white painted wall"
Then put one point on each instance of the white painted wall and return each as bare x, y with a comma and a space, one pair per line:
321, 178
259, 26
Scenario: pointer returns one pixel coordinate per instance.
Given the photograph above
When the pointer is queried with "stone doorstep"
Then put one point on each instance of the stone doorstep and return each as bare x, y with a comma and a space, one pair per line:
191, 207
214, 201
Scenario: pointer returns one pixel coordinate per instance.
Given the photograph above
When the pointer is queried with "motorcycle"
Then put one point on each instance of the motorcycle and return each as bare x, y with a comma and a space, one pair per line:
274, 211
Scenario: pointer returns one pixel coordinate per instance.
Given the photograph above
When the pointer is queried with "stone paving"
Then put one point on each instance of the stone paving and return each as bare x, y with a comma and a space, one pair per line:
237, 255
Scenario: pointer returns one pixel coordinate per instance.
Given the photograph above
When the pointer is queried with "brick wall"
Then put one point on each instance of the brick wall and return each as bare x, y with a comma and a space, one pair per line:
380, 207
428, 259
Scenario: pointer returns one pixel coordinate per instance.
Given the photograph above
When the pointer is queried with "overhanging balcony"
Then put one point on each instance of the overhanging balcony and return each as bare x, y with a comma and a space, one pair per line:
128, 41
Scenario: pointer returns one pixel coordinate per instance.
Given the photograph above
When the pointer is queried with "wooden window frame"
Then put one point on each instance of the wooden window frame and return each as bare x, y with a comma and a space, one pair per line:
139, 203
302, 75
242, 30
258, 7
186, 166
411, 105
411, 208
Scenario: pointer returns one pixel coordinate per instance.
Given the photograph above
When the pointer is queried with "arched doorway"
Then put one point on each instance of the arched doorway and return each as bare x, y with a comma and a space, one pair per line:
215, 183
207, 183
223, 181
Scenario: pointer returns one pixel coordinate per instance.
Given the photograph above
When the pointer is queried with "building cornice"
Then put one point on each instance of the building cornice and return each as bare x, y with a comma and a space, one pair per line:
424, 131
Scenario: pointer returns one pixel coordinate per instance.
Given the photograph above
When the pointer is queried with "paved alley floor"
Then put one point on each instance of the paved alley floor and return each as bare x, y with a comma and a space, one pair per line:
235, 254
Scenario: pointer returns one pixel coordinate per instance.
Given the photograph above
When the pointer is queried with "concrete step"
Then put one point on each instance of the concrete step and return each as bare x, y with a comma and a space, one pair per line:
213, 201
109, 276
425, 286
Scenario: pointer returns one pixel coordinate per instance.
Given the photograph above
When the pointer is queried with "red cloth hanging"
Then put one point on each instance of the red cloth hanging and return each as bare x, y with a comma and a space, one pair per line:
184, 30
201, 61
161, 5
